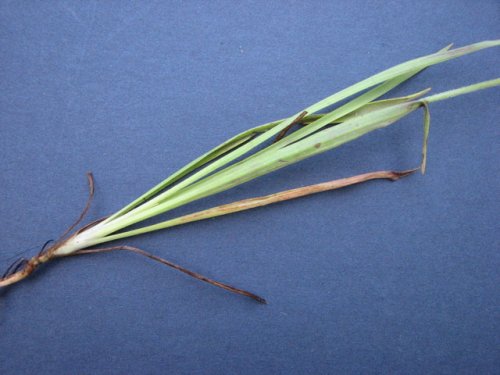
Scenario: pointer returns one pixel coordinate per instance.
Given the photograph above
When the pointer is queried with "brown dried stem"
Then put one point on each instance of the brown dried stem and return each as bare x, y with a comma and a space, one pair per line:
23, 268
173, 265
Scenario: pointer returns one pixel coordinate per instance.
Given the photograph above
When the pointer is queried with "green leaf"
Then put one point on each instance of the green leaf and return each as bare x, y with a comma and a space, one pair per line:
306, 142
427, 125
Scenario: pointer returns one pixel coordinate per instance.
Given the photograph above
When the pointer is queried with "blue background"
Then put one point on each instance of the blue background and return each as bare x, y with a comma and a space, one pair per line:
378, 278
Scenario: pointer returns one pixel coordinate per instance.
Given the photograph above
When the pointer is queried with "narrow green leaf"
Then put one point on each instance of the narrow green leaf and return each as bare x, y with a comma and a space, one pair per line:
379, 104
205, 182
399, 73
462, 90
243, 172
427, 125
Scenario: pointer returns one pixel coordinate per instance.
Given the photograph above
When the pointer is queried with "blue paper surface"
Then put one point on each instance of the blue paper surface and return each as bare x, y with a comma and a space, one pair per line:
399, 278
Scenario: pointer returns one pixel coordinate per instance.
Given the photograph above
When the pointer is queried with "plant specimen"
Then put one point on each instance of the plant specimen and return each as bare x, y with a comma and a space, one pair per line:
258, 151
